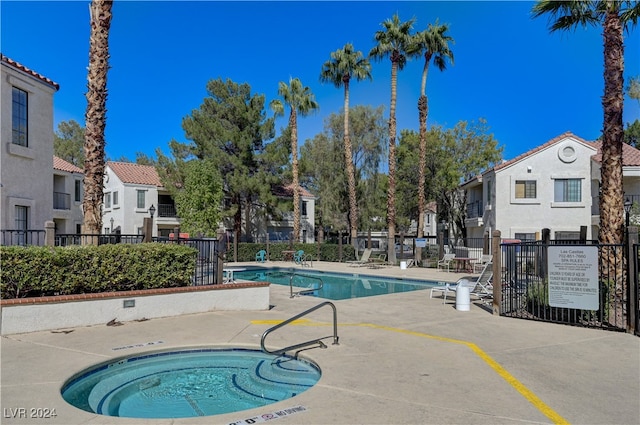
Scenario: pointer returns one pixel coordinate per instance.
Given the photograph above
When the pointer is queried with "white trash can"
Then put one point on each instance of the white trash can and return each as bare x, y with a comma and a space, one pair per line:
463, 298
403, 265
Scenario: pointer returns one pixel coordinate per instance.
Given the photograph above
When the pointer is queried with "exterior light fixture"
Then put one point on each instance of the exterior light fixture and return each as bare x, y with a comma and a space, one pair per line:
627, 209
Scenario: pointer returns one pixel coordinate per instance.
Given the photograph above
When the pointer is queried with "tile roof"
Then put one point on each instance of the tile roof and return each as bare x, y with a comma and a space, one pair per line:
542, 147
19, 66
287, 191
630, 155
129, 172
62, 165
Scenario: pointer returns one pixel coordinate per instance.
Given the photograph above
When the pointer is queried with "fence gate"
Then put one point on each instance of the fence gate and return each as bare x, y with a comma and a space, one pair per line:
591, 276
209, 250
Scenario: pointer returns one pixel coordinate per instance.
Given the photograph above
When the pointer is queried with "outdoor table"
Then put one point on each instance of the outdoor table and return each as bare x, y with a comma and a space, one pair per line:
463, 263
288, 255
228, 275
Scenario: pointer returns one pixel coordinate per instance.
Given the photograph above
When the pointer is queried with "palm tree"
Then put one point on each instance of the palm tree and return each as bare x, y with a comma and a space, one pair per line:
344, 64
614, 17
95, 116
393, 41
301, 101
434, 42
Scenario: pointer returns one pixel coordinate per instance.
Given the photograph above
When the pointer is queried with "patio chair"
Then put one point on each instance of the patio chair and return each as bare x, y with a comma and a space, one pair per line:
364, 259
446, 261
377, 262
261, 256
481, 287
298, 257
479, 265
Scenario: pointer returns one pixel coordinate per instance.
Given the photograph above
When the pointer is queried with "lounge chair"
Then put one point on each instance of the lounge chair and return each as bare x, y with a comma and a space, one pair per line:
446, 261
261, 256
479, 265
481, 287
298, 257
377, 262
364, 259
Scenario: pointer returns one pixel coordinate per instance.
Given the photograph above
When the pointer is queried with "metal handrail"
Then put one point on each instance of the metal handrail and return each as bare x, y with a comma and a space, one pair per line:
303, 291
303, 344
308, 257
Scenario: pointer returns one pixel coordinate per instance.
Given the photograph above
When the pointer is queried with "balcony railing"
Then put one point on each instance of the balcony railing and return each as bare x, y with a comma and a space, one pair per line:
167, 210
61, 201
595, 203
475, 209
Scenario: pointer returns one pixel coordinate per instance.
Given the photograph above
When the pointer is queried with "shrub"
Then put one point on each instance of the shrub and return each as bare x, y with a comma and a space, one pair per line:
42, 271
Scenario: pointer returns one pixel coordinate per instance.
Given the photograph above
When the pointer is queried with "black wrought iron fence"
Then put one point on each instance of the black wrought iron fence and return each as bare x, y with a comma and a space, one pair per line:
529, 293
86, 239
209, 250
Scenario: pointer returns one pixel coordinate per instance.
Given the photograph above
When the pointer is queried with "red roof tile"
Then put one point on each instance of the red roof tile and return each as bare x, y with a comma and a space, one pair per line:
19, 66
128, 172
630, 155
287, 191
62, 165
542, 147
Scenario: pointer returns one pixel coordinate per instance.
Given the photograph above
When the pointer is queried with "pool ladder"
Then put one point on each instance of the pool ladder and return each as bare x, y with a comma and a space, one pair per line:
303, 291
317, 341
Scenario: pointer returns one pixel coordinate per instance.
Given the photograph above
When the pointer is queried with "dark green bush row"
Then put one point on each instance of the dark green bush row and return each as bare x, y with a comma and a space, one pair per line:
325, 252
43, 271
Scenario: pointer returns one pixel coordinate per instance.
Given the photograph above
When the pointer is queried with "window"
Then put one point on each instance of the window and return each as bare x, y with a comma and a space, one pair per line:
304, 208
567, 236
141, 201
22, 217
22, 223
525, 236
107, 200
19, 117
525, 189
489, 192
115, 198
78, 191
567, 190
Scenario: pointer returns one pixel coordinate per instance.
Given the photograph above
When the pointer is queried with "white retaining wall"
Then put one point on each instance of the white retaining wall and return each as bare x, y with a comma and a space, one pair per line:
23, 318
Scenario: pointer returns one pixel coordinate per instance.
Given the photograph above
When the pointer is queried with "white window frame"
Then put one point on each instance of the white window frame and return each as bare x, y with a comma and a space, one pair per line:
138, 199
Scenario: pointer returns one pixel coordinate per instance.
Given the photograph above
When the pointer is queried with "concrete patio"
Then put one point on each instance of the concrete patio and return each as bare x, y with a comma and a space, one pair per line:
402, 359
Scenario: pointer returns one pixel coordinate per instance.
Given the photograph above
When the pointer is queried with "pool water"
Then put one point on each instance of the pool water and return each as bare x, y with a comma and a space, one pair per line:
336, 286
189, 383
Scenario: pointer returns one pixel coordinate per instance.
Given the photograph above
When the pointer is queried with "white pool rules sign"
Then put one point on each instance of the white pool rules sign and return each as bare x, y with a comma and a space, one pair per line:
573, 277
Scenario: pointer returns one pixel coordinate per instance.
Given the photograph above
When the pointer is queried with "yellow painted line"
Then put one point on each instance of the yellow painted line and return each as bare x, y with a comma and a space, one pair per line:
502, 372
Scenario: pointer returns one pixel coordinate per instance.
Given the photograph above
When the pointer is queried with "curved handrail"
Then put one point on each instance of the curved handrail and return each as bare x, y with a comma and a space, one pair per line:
303, 291
309, 258
303, 344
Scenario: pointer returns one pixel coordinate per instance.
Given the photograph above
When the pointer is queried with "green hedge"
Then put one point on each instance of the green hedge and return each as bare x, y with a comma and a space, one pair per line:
327, 252
43, 271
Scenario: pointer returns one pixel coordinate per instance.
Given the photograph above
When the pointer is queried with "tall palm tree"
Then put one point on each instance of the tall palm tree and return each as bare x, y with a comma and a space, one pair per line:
614, 16
393, 41
344, 64
434, 44
95, 116
301, 101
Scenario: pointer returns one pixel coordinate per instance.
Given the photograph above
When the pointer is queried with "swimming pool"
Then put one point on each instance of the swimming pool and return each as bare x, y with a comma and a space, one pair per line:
189, 383
336, 286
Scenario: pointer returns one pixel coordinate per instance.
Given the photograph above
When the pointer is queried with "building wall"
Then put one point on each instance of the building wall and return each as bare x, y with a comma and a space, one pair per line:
67, 221
567, 159
125, 213
25, 172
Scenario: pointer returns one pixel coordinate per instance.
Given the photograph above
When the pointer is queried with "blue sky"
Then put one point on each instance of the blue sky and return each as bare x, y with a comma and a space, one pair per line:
530, 85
